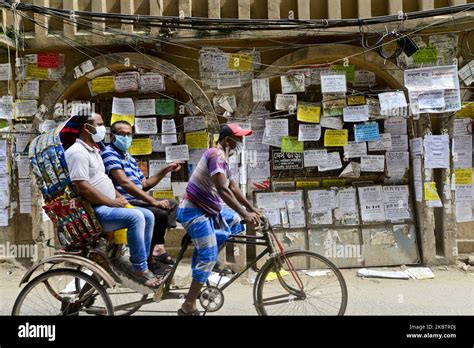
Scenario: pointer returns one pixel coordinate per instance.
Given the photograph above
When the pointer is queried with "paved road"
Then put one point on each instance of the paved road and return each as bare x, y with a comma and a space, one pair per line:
450, 293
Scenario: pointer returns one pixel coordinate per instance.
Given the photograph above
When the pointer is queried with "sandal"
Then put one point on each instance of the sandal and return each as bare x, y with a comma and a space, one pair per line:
158, 268
221, 269
164, 258
194, 313
147, 278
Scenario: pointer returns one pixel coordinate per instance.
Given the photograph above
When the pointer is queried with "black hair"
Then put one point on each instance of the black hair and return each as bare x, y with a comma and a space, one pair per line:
79, 121
113, 127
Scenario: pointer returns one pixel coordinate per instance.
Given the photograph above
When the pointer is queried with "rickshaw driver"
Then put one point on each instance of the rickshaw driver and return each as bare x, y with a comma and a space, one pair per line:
87, 172
201, 212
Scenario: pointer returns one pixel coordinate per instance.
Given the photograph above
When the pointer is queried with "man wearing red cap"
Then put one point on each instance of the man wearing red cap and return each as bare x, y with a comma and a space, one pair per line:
201, 212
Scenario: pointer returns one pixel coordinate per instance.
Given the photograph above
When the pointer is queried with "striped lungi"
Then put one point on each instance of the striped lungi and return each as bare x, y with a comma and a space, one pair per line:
207, 234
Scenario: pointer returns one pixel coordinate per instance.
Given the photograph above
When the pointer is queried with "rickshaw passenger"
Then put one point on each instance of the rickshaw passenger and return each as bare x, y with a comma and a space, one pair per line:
131, 183
87, 172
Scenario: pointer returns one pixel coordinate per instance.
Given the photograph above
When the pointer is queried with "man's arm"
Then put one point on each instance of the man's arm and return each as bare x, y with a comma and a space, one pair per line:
153, 180
122, 179
228, 197
86, 190
241, 198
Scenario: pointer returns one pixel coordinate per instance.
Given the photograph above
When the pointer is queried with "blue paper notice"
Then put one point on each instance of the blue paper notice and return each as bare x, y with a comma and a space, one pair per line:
367, 132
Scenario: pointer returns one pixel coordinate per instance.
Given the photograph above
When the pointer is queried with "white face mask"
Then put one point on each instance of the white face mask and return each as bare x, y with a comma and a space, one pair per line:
99, 134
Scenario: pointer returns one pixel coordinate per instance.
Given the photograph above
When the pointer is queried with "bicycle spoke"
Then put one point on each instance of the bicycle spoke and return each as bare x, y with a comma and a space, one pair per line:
323, 293
61, 292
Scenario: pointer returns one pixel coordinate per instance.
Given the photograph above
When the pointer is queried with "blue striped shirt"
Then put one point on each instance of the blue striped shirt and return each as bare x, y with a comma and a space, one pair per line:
115, 159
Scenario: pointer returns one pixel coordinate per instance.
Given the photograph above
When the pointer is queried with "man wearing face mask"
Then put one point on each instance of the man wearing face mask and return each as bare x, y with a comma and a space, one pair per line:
87, 172
132, 184
207, 223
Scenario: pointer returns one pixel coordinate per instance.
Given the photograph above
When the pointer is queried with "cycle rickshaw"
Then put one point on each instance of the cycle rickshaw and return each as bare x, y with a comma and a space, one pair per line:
88, 275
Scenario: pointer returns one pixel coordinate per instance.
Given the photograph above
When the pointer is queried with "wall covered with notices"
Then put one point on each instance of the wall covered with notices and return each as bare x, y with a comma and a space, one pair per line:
346, 154
339, 126
353, 226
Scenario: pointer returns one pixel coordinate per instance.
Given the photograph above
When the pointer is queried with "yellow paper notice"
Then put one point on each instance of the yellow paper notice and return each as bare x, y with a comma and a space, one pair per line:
163, 194
128, 118
33, 72
431, 193
333, 138
307, 184
467, 110
240, 62
334, 183
291, 144
310, 113
140, 147
463, 176
356, 100
102, 84
197, 140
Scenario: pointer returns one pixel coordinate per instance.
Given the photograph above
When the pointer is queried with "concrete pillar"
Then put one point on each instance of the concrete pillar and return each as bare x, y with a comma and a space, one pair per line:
40, 31
457, 2
449, 226
156, 9
334, 9
304, 9
127, 7
185, 8
273, 9
425, 214
8, 19
395, 6
424, 5
214, 8
69, 28
244, 9
364, 8
98, 27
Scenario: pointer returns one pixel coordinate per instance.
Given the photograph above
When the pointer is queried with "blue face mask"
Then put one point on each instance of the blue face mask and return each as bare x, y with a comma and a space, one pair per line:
122, 142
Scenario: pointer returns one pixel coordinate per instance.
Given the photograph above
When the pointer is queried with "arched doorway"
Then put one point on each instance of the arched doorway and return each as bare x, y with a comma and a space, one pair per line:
178, 82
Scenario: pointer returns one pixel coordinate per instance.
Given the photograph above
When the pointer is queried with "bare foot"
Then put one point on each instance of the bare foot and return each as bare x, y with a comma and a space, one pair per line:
148, 278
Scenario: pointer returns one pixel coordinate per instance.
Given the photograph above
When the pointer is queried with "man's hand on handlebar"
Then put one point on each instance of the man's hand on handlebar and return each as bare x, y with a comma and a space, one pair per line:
252, 219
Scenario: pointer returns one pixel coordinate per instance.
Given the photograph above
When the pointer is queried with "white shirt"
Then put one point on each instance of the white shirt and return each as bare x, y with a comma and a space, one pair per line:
85, 163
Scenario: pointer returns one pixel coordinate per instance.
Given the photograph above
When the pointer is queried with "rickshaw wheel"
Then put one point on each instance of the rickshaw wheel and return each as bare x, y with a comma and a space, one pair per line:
66, 292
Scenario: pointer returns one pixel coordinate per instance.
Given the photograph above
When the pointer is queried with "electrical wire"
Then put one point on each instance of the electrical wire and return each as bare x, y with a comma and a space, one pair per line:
246, 24
183, 102
292, 66
285, 67
98, 51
